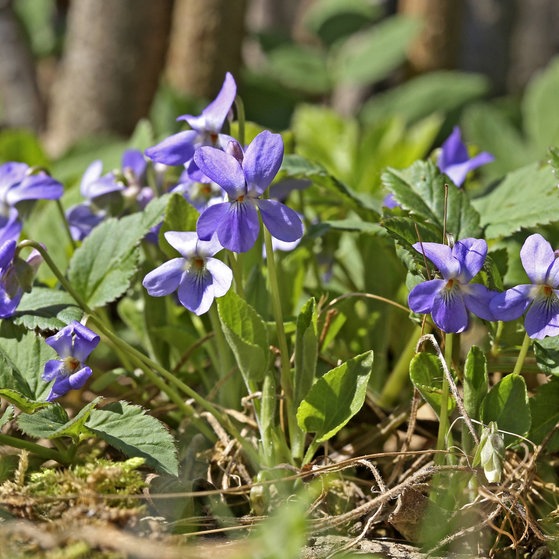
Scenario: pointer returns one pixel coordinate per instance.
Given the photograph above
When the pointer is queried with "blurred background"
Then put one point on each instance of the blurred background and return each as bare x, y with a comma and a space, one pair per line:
77, 73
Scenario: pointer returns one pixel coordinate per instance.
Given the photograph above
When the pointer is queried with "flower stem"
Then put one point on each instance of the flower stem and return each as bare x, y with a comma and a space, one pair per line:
295, 434
445, 391
65, 224
43, 452
240, 119
522, 355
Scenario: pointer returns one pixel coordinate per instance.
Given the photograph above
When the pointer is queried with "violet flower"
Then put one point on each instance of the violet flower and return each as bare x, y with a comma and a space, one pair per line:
201, 195
540, 298
73, 344
195, 276
20, 184
245, 177
454, 160
449, 299
179, 148
16, 276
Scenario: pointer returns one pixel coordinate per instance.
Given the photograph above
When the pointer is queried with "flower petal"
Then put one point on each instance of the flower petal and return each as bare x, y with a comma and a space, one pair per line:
10, 226
537, 256
7, 253
441, 256
210, 220
92, 173
134, 160
214, 115
421, 297
79, 378
183, 241
35, 187
262, 161
196, 292
453, 151
11, 173
174, 150
477, 299
542, 318
52, 369
471, 254
240, 230
512, 303
449, 313
165, 279
59, 388
223, 169
61, 342
282, 222
222, 276
84, 340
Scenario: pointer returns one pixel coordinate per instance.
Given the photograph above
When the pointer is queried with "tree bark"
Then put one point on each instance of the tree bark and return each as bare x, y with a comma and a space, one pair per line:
436, 48
19, 94
110, 68
206, 42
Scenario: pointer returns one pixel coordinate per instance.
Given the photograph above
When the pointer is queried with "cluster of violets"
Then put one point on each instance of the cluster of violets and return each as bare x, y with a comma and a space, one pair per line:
229, 185
450, 298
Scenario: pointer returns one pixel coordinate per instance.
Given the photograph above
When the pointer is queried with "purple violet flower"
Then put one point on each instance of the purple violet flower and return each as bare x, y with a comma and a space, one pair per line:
16, 276
540, 298
454, 160
201, 195
245, 177
19, 183
73, 344
195, 276
179, 148
449, 299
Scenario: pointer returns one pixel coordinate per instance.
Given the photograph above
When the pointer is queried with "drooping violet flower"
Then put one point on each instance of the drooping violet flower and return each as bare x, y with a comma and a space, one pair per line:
245, 177
73, 344
16, 276
540, 298
454, 160
196, 276
19, 183
449, 299
178, 149
109, 194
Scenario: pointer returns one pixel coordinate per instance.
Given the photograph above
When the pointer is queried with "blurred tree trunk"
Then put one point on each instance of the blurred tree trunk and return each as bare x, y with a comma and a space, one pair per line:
486, 39
110, 68
437, 46
20, 99
206, 42
534, 40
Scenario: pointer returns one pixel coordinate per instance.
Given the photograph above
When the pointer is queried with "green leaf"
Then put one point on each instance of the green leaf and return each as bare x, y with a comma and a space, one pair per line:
102, 267
23, 355
507, 405
179, 216
143, 136
46, 309
299, 167
299, 67
246, 334
405, 231
370, 55
306, 351
420, 189
7, 416
425, 95
526, 198
544, 407
427, 376
547, 354
476, 381
335, 397
539, 108
351, 225
22, 403
22, 145
127, 428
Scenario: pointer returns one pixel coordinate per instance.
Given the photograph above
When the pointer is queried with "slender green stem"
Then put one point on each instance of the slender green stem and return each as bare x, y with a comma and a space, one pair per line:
522, 355
43, 452
59, 276
65, 224
399, 376
240, 119
295, 434
445, 391
237, 268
